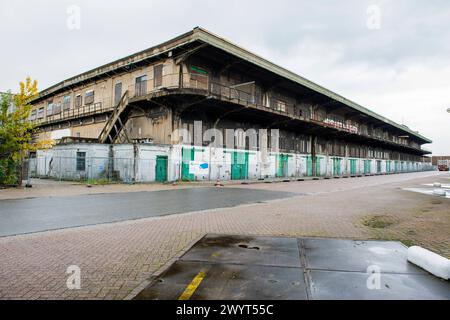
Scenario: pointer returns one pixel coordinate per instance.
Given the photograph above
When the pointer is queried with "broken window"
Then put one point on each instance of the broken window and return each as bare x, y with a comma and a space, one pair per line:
40, 113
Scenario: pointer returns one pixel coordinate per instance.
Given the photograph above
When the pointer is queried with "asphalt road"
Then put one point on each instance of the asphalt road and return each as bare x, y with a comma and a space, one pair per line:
41, 214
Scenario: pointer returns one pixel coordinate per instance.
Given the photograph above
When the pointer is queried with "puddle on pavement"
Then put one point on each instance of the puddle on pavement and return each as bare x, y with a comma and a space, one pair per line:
222, 267
429, 191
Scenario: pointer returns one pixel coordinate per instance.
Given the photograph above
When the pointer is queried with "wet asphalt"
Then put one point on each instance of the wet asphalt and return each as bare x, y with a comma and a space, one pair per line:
42, 214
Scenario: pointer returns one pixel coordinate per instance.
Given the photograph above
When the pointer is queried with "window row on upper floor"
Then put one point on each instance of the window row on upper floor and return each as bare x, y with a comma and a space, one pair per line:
70, 101
53, 108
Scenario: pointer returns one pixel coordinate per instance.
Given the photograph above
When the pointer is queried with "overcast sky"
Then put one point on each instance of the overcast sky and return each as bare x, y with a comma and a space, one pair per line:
391, 56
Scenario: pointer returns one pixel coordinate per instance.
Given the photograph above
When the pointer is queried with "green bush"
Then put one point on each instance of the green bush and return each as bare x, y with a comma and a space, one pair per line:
9, 174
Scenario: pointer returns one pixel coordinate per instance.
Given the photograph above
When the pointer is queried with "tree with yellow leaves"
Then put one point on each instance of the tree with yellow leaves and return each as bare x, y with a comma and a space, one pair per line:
16, 131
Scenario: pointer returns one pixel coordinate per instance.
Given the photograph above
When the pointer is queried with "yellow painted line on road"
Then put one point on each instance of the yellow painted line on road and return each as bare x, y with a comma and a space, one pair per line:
192, 287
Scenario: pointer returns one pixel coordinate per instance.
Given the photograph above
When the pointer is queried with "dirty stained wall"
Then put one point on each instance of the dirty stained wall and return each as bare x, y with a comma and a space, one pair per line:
138, 163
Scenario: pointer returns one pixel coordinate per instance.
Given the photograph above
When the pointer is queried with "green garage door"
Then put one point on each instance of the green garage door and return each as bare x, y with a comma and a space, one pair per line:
352, 166
161, 168
187, 155
388, 166
318, 166
366, 166
239, 165
309, 166
282, 170
336, 166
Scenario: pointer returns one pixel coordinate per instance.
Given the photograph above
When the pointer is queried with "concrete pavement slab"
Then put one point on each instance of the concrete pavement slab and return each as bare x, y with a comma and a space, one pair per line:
357, 256
228, 267
334, 285
246, 250
228, 281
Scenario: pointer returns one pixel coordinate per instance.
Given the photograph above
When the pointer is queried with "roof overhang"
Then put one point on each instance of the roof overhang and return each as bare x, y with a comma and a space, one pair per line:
234, 49
204, 36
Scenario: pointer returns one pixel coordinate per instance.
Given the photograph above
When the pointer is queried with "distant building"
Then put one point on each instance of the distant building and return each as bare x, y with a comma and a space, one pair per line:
435, 159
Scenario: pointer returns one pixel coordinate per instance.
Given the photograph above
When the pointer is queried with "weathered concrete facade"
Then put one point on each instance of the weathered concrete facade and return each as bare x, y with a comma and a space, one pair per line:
151, 96
141, 163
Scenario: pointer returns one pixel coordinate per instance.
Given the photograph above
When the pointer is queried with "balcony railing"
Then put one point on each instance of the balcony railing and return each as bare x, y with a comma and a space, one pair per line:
203, 83
233, 94
143, 88
76, 112
140, 88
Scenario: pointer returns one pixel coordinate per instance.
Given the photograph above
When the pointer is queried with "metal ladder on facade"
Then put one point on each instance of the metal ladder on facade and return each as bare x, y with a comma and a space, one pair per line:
114, 129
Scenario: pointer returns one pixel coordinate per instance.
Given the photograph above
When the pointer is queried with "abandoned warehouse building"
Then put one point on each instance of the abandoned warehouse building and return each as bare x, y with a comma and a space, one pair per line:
123, 120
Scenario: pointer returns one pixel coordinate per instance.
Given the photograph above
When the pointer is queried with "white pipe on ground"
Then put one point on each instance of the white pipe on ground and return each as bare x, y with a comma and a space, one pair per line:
436, 185
430, 261
439, 192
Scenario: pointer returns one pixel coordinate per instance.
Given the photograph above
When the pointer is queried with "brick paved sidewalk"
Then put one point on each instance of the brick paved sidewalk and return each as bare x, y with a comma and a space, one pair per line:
116, 258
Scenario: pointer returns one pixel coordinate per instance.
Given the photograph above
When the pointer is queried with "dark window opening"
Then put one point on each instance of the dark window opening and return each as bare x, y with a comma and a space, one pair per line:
78, 101
141, 86
81, 161
157, 75
117, 93
66, 103
89, 97
199, 78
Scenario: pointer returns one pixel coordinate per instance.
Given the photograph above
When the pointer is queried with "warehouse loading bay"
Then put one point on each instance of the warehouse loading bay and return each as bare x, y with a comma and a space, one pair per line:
311, 239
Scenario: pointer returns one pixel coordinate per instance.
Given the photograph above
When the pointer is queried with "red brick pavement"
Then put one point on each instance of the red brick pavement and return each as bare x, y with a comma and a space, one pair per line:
117, 258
